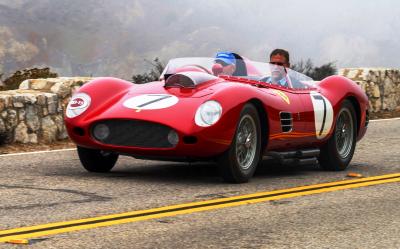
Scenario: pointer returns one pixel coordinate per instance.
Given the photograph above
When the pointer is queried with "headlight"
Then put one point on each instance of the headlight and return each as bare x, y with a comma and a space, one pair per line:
77, 105
208, 113
173, 137
101, 132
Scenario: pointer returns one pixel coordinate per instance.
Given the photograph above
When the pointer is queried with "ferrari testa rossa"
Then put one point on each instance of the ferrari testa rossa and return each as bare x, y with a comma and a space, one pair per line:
195, 113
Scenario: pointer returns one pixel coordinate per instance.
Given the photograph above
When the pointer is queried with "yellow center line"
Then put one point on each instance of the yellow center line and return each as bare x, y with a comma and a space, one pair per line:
186, 208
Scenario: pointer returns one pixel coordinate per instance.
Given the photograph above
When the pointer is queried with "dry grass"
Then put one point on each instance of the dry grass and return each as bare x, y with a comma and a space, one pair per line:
17, 148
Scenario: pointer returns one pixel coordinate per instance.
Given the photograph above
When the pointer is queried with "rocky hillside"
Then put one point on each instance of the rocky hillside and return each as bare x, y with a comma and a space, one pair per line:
113, 38
99, 37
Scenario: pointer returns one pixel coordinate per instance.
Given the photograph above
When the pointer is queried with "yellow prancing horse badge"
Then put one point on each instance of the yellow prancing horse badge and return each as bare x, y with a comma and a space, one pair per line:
283, 96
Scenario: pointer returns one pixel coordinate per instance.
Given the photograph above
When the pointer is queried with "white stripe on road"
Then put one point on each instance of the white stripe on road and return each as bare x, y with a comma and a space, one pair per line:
385, 119
36, 152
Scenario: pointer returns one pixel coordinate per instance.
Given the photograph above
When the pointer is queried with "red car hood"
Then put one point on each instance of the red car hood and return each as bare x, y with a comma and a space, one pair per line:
179, 115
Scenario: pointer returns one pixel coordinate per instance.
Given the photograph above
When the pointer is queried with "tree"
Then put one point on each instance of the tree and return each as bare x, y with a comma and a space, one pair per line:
324, 71
317, 73
152, 75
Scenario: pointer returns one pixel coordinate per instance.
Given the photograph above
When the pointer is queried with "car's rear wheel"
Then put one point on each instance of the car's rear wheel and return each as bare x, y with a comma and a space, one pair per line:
337, 153
239, 162
97, 160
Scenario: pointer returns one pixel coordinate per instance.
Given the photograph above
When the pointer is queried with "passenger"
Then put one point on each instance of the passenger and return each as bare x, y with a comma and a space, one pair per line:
280, 57
279, 61
225, 64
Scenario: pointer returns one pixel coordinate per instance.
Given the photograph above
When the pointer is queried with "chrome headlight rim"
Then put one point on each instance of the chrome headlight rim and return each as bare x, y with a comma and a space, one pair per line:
201, 118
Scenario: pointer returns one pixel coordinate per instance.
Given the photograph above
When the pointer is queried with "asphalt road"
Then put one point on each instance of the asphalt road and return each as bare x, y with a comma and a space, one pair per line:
51, 187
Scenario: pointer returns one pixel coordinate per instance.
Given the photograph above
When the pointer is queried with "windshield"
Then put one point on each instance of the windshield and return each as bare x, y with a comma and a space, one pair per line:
243, 68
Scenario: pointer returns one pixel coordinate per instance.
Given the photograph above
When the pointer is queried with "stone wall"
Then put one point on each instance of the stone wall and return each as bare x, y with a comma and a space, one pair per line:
381, 85
34, 113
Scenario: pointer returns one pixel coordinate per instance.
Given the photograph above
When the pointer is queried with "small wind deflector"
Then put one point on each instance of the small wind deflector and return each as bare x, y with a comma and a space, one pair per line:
188, 79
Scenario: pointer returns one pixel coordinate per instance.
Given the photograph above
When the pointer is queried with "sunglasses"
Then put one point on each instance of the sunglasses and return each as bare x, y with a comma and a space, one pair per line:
277, 63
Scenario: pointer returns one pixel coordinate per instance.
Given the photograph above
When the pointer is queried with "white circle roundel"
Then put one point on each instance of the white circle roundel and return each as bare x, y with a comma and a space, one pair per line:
151, 101
78, 104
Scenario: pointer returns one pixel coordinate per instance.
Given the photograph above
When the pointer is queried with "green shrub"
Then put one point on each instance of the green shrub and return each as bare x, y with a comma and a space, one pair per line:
16, 79
317, 73
152, 75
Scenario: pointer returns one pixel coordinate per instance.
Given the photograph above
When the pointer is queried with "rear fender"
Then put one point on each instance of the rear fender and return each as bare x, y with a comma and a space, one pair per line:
337, 88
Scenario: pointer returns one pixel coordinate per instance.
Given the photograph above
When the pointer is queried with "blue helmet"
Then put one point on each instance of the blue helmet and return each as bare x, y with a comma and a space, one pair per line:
226, 57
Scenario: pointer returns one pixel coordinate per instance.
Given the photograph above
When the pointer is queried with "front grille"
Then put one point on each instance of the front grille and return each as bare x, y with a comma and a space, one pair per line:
135, 133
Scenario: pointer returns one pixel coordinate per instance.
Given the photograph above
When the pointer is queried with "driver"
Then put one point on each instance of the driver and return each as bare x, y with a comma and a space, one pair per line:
225, 64
279, 61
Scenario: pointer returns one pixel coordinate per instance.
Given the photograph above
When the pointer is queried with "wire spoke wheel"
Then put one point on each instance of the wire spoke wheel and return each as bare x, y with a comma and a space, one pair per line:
337, 153
246, 142
239, 162
344, 133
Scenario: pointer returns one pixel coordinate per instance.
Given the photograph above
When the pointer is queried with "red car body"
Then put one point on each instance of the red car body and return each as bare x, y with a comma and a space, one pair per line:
273, 102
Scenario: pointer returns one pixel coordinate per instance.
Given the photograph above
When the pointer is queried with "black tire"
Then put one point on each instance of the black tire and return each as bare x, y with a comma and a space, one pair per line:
230, 164
96, 160
332, 155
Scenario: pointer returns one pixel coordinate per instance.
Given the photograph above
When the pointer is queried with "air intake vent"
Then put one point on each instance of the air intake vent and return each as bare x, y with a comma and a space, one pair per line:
286, 121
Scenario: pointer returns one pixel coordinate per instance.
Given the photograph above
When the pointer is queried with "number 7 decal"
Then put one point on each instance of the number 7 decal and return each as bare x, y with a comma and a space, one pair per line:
323, 114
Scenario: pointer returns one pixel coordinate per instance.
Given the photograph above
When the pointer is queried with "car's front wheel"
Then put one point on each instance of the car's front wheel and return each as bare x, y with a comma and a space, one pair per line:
239, 162
97, 160
337, 153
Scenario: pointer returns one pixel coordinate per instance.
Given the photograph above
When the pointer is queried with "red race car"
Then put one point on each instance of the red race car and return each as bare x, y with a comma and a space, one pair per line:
194, 113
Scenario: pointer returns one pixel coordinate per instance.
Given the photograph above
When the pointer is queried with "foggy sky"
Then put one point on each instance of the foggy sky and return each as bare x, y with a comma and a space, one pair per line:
117, 36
